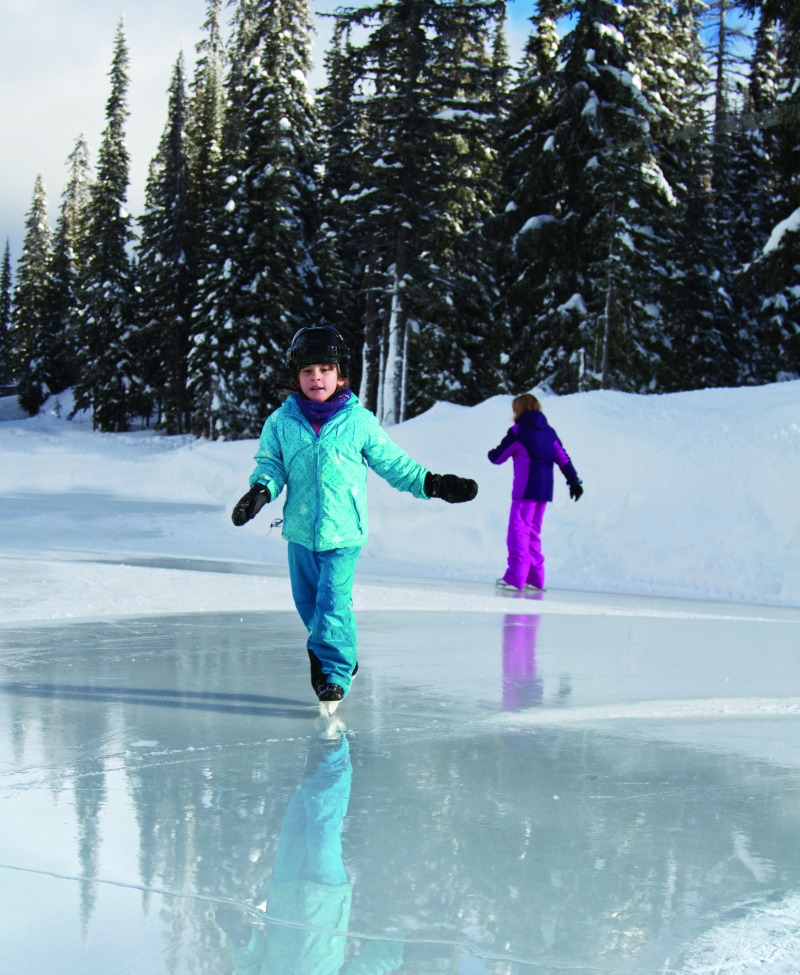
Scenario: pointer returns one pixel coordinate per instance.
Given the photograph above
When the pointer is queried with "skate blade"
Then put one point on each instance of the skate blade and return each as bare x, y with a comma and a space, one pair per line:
330, 729
327, 709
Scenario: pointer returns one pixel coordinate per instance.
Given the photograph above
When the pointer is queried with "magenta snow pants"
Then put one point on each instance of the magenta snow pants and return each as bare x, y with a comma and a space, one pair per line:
524, 540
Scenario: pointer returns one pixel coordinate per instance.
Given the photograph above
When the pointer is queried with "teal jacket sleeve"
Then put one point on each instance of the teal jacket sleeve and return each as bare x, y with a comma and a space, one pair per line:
391, 462
270, 470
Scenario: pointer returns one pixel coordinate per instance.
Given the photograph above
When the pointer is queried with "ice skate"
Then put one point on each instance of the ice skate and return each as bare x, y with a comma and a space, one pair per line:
327, 709
330, 697
330, 729
502, 584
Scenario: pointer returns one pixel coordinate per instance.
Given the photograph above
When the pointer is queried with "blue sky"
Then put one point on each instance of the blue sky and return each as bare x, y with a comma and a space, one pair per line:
54, 62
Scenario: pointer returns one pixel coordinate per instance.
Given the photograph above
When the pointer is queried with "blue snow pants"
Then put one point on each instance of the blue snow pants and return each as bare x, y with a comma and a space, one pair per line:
322, 589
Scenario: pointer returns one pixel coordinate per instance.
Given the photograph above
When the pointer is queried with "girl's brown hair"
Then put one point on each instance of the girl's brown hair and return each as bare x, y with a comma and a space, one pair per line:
522, 404
294, 385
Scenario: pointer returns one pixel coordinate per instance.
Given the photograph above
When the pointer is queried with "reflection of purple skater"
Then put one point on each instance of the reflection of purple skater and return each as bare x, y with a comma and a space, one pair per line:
521, 687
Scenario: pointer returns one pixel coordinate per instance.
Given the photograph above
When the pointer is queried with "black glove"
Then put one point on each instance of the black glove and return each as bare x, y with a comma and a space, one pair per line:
450, 488
575, 490
249, 505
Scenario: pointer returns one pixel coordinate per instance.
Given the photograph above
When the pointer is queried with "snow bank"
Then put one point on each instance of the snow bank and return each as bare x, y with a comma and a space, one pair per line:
690, 495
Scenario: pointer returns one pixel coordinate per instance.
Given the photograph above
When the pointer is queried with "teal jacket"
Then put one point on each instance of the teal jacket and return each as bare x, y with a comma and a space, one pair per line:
325, 475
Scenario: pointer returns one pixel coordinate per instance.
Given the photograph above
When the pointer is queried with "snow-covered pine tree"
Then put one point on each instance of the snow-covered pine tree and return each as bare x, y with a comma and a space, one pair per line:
265, 285
106, 370
726, 51
584, 279
777, 269
32, 305
6, 305
167, 269
534, 88
335, 249
205, 136
419, 182
454, 353
751, 184
69, 254
689, 305
205, 121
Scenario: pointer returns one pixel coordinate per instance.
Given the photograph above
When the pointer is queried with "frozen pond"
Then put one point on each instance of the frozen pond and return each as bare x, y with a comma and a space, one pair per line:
614, 788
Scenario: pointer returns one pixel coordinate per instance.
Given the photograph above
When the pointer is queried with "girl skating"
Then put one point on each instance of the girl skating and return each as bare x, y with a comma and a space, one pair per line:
318, 445
535, 448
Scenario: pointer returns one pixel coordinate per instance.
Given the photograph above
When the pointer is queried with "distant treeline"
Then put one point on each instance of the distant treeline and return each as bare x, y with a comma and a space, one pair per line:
620, 209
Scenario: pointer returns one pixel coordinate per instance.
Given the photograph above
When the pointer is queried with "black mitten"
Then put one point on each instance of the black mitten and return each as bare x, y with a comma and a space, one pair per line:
249, 505
575, 490
450, 488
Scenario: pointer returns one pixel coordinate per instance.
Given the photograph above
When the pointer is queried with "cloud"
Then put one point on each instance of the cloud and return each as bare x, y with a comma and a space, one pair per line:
55, 59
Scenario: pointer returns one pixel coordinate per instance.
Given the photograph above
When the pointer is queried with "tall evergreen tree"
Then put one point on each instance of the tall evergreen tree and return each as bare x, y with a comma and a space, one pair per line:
33, 305
205, 121
585, 271
6, 305
454, 353
336, 252
694, 310
107, 372
207, 216
167, 267
419, 185
69, 256
531, 95
778, 267
264, 285
749, 205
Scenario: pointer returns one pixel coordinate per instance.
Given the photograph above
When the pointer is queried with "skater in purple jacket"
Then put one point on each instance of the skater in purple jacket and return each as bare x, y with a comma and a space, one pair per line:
535, 448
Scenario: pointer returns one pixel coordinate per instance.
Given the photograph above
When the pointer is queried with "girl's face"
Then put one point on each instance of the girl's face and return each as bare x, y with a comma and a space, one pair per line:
319, 382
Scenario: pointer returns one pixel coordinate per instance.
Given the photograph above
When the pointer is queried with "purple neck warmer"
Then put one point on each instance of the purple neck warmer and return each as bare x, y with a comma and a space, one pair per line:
318, 413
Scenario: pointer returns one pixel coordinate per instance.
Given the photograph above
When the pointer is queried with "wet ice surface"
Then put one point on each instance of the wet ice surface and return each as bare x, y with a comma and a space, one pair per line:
613, 788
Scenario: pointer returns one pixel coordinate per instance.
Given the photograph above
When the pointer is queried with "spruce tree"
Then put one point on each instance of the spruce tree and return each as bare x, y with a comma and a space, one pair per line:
535, 86
205, 121
773, 278
263, 285
6, 305
750, 204
584, 275
335, 247
695, 349
205, 130
69, 255
454, 353
167, 268
32, 309
421, 183
107, 373
777, 269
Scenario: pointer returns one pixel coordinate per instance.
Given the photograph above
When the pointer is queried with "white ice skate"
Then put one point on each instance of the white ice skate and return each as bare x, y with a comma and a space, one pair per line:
330, 697
327, 709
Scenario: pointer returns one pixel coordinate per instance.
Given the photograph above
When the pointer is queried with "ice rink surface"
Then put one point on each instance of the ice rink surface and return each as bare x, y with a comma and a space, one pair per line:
570, 783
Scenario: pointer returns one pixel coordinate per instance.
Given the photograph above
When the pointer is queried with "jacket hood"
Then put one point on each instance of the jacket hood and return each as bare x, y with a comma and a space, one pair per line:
533, 420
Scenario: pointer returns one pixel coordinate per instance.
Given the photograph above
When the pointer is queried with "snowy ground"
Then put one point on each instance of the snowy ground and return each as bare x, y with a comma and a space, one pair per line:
603, 778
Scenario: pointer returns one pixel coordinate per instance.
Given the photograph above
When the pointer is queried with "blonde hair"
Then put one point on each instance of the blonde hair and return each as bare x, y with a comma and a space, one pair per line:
522, 404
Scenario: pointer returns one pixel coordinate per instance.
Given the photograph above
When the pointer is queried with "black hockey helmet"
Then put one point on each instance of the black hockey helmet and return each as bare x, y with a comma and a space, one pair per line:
318, 344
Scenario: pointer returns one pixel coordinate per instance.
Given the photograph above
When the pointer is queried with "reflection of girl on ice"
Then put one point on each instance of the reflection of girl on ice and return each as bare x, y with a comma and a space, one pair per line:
308, 896
535, 448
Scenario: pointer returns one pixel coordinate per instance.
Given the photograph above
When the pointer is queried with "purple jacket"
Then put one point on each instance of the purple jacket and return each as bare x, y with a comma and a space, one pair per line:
535, 447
